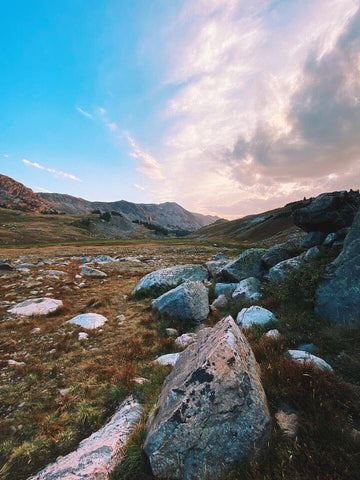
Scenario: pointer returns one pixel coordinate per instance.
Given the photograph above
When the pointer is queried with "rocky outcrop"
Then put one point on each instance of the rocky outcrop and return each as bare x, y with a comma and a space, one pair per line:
160, 281
328, 212
338, 295
98, 455
89, 321
212, 411
247, 264
188, 302
36, 306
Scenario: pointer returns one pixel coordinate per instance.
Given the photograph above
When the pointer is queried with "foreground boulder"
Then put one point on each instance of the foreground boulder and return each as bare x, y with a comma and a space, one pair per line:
160, 281
188, 302
36, 306
247, 264
328, 212
212, 411
281, 270
248, 289
89, 321
98, 455
338, 295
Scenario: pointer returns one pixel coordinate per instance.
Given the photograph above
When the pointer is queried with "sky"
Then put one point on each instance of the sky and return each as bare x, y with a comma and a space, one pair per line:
227, 107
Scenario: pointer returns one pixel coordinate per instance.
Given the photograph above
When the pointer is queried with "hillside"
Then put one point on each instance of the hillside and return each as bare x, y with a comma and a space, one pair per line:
16, 196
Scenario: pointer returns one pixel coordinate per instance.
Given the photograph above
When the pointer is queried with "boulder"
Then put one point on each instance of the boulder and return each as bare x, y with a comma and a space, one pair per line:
220, 256
254, 316
248, 289
311, 254
220, 302
92, 272
89, 321
338, 295
171, 332
214, 266
103, 259
301, 356
212, 412
338, 236
168, 360
187, 302
98, 455
36, 306
282, 269
276, 254
163, 280
225, 289
328, 212
247, 264
313, 239
275, 334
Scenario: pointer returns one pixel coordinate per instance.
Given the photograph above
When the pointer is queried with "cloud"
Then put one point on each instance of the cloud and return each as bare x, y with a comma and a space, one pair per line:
139, 187
41, 189
112, 126
56, 173
6, 155
148, 165
83, 112
266, 101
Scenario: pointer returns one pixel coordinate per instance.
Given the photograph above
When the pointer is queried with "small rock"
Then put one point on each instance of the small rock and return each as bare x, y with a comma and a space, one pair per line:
168, 359
311, 254
89, 321
92, 272
36, 306
185, 339
307, 358
64, 391
273, 333
220, 302
254, 315
171, 332
83, 336
120, 318
248, 289
14, 363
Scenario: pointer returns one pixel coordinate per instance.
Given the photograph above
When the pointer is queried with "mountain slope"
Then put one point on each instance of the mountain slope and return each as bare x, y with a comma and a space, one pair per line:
16, 196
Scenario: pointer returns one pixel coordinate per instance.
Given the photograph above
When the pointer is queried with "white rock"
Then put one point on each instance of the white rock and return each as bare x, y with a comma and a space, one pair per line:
185, 339
120, 318
247, 289
36, 306
305, 357
168, 360
254, 315
83, 336
171, 332
273, 333
89, 321
14, 363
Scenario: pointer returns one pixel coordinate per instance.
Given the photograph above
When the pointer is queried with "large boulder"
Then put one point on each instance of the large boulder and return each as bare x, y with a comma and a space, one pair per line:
160, 281
226, 289
328, 212
214, 266
283, 269
36, 306
313, 239
212, 412
247, 264
97, 456
338, 295
276, 254
188, 302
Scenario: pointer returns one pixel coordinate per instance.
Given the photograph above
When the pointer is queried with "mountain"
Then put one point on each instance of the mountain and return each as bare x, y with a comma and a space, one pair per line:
169, 216
16, 196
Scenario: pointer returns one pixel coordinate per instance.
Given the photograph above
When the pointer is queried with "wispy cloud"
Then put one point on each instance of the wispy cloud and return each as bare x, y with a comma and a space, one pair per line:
41, 189
83, 112
148, 165
267, 103
139, 187
112, 126
56, 173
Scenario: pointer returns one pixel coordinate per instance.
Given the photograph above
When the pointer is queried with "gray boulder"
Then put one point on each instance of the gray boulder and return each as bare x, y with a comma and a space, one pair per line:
163, 280
187, 302
214, 266
220, 302
212, 412
248, 289
89, 321
247, 264
276, 254
282, 269
254, 315
168, 360
98, 455
338, 295
36, 306
226, 289
313, 239
306, 358
92, 272
311, 254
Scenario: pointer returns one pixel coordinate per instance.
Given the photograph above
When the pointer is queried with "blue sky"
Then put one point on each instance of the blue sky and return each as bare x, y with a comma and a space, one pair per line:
222, 106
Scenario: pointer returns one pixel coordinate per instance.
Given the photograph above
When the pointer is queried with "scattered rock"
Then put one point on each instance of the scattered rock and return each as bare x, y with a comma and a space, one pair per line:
185, 339
168, 278
120, 319
212, 412
168, 360
98, 455
171, 332
226, 289
248, 289
254, 315
306, 358
247, 264
282, 269
102, 259
313, 239
36, 306
92, 272
89, 321
187, 302
83, 336
338, 295
14, 363
220, 302
273, 334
